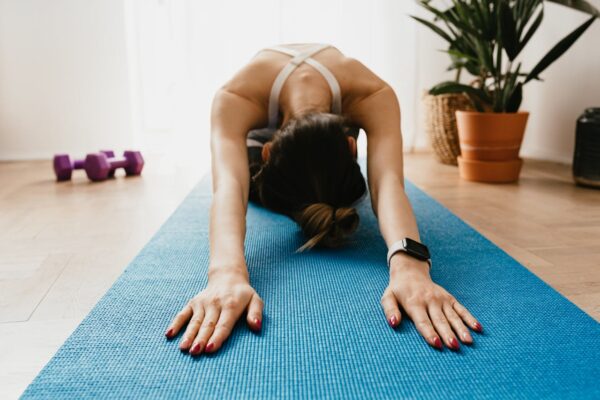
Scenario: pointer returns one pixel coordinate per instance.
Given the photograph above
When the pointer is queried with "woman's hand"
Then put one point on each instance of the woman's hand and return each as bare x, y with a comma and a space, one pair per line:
213, 312
434, 311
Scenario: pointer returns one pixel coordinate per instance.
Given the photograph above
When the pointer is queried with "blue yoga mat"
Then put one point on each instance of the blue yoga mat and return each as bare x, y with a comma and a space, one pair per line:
324, 334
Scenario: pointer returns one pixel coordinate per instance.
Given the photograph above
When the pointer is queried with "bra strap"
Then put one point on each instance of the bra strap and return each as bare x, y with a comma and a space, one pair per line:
298, 58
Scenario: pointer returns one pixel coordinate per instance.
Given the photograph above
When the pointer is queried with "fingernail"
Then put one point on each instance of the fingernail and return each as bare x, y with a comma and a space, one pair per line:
258, 323
169, 333
436, 342
465, 337
393, 321
477, 327
209, 346
454, 344
196, 348
184, 343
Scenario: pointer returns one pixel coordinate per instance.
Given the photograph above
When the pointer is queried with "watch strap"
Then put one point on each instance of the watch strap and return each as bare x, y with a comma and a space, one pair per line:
397, 246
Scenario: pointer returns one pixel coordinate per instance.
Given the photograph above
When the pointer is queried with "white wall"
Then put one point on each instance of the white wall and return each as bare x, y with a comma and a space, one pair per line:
63, 77
571, 84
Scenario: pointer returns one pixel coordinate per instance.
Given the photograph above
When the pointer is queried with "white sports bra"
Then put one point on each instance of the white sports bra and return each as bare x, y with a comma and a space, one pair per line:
257, 137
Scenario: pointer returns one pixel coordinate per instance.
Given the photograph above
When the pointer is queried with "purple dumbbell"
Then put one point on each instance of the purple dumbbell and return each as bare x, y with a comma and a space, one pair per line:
63, 167
99, 167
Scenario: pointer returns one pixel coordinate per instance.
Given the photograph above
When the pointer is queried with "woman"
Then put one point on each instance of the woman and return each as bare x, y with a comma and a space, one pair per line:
312, 100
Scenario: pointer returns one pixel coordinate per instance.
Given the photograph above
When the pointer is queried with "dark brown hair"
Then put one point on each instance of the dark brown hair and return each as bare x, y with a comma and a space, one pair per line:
312, 177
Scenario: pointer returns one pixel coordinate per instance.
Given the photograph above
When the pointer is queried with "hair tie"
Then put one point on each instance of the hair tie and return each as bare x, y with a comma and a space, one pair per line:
333, 209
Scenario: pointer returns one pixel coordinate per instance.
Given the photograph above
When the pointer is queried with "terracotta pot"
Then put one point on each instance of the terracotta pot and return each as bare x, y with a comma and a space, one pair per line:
490, 144
489, 171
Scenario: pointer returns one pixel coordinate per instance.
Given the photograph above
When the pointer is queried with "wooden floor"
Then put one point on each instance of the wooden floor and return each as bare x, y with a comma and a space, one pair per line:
63, 245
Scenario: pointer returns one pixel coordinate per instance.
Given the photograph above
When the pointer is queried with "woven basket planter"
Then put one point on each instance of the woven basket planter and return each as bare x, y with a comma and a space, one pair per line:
440, 123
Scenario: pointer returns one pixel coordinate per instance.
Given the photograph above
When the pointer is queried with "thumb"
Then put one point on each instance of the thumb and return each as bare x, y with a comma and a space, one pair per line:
254, 316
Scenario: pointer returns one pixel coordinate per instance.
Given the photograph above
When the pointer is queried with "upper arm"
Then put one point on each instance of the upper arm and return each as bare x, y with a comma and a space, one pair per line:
232, 116
379, 115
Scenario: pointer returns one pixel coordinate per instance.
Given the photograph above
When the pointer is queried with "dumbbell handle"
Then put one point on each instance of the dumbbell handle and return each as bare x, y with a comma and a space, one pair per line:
118, 162
78, 164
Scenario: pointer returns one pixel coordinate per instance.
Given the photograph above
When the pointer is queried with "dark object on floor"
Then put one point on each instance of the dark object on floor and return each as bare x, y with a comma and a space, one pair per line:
586, 159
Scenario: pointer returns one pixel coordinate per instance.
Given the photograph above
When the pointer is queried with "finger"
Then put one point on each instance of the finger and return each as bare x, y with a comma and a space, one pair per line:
441, 325
254, 316
180, 319
207, 328
457, 323
192, 328
467, 317
223, 328
390, 308
420, 318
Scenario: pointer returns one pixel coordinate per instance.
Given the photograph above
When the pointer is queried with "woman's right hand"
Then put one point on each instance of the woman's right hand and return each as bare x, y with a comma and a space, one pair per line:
213, 312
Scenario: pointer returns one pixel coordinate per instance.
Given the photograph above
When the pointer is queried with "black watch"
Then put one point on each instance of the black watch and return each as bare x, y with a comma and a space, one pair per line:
410, 247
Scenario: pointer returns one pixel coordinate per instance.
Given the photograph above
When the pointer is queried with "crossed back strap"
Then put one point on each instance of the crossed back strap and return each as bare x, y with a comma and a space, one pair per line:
298, 58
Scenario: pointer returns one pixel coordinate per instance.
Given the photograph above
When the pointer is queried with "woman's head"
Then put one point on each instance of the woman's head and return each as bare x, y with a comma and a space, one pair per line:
310, 174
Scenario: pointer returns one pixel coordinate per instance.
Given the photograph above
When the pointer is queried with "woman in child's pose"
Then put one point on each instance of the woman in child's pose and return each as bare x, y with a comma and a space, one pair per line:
283, 134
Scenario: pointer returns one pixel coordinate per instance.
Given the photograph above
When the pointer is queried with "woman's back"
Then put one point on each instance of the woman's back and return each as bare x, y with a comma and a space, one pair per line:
305, 88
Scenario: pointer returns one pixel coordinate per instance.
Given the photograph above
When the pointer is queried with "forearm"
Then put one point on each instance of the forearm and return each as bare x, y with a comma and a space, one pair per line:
396, 222
394, 212
227, 230
232, 116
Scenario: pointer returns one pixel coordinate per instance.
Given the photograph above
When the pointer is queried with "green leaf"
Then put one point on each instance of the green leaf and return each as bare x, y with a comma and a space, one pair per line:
484, 53
459, 54
472, 67
477, 96
510, 83
434, 28
579, 5
524, 15
508, 31
515, 99
559, 49
532, 29
455, 87
458, 18
440, 16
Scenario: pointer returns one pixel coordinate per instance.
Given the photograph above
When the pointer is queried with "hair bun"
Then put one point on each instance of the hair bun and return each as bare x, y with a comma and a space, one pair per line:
326, 225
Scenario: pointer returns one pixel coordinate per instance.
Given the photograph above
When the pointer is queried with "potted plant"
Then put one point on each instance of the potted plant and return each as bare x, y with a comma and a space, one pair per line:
485, 38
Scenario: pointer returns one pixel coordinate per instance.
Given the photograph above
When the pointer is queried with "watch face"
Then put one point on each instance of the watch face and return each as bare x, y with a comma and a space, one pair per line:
417, 249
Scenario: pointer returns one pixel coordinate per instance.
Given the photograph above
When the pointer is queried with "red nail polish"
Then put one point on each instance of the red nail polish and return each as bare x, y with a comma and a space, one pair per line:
477, 327
169, 333
210, 346
183, 345
195, 349
258, 323
393, 321
454, 344
437, 342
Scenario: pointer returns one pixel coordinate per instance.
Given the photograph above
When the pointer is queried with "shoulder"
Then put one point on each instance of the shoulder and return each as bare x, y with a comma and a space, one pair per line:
365, 91
253, 80
365, 82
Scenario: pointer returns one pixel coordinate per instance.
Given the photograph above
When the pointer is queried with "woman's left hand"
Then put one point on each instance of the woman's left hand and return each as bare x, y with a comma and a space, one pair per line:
435, 312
